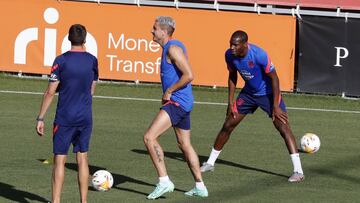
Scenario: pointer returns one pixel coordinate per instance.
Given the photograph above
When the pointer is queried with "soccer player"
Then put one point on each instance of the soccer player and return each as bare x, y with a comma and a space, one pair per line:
177, 103
73, 75
261, 90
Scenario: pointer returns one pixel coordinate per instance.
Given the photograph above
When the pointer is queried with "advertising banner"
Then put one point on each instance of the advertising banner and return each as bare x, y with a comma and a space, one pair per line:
329, 59
34, 32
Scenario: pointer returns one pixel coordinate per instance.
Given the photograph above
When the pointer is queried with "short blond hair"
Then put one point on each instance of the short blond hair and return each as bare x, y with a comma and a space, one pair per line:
167, 23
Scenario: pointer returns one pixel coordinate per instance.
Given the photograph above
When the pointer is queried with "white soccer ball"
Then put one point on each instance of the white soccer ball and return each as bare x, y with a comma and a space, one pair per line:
310, 143
102, 180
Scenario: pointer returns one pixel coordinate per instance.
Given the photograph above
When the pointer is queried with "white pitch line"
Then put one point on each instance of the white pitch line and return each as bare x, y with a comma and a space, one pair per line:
196, 102
19, 92
323, 110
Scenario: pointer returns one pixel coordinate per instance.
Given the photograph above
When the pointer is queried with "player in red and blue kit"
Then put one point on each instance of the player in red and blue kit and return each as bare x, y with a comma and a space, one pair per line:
261, 90
177, 103
73, 75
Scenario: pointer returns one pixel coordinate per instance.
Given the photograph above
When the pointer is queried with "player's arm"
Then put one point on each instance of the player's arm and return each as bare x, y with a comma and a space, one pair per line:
96, 76
232, 81
93, 85
277, 112
47, 99
177, 57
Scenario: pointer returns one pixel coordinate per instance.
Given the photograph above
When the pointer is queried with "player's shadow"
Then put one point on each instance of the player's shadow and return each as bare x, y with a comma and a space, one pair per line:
180, 156
337, 169
12, 194
118, 179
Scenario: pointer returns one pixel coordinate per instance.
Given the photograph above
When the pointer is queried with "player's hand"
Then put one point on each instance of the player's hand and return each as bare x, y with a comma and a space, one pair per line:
163, 101
279, 114
230, 111
166, 95
40, 128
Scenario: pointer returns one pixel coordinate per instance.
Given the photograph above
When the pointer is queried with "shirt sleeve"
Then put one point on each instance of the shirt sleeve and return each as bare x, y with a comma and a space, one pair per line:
265, 62
96, 70
228, 59
55, 71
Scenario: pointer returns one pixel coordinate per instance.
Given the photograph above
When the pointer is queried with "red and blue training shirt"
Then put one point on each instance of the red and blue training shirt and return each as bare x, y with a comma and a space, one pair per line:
76, 71
253, 68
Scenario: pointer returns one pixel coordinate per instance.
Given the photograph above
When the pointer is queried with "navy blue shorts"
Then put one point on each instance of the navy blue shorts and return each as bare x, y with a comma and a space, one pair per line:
179, 118
246, 103
64, 136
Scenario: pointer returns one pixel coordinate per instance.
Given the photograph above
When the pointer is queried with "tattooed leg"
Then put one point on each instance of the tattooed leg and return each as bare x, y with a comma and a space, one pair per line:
159, 125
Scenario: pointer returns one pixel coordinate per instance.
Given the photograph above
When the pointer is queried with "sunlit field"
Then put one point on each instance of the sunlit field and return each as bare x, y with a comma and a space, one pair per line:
253, 167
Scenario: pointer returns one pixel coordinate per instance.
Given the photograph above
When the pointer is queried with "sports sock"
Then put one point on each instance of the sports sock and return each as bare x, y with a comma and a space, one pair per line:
164, 180
295, 158
213, 156
200, 185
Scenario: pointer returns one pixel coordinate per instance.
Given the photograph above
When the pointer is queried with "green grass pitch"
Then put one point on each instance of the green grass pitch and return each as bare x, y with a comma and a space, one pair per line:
253, 166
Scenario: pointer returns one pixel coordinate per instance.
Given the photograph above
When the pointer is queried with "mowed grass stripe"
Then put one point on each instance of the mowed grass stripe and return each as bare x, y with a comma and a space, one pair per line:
196, 102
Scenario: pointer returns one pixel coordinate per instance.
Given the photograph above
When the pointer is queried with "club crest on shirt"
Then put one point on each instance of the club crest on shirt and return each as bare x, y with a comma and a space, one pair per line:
251, 64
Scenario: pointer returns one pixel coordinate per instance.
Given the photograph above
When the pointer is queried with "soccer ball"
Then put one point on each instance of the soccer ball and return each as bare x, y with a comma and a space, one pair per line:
310, 143
102, 180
